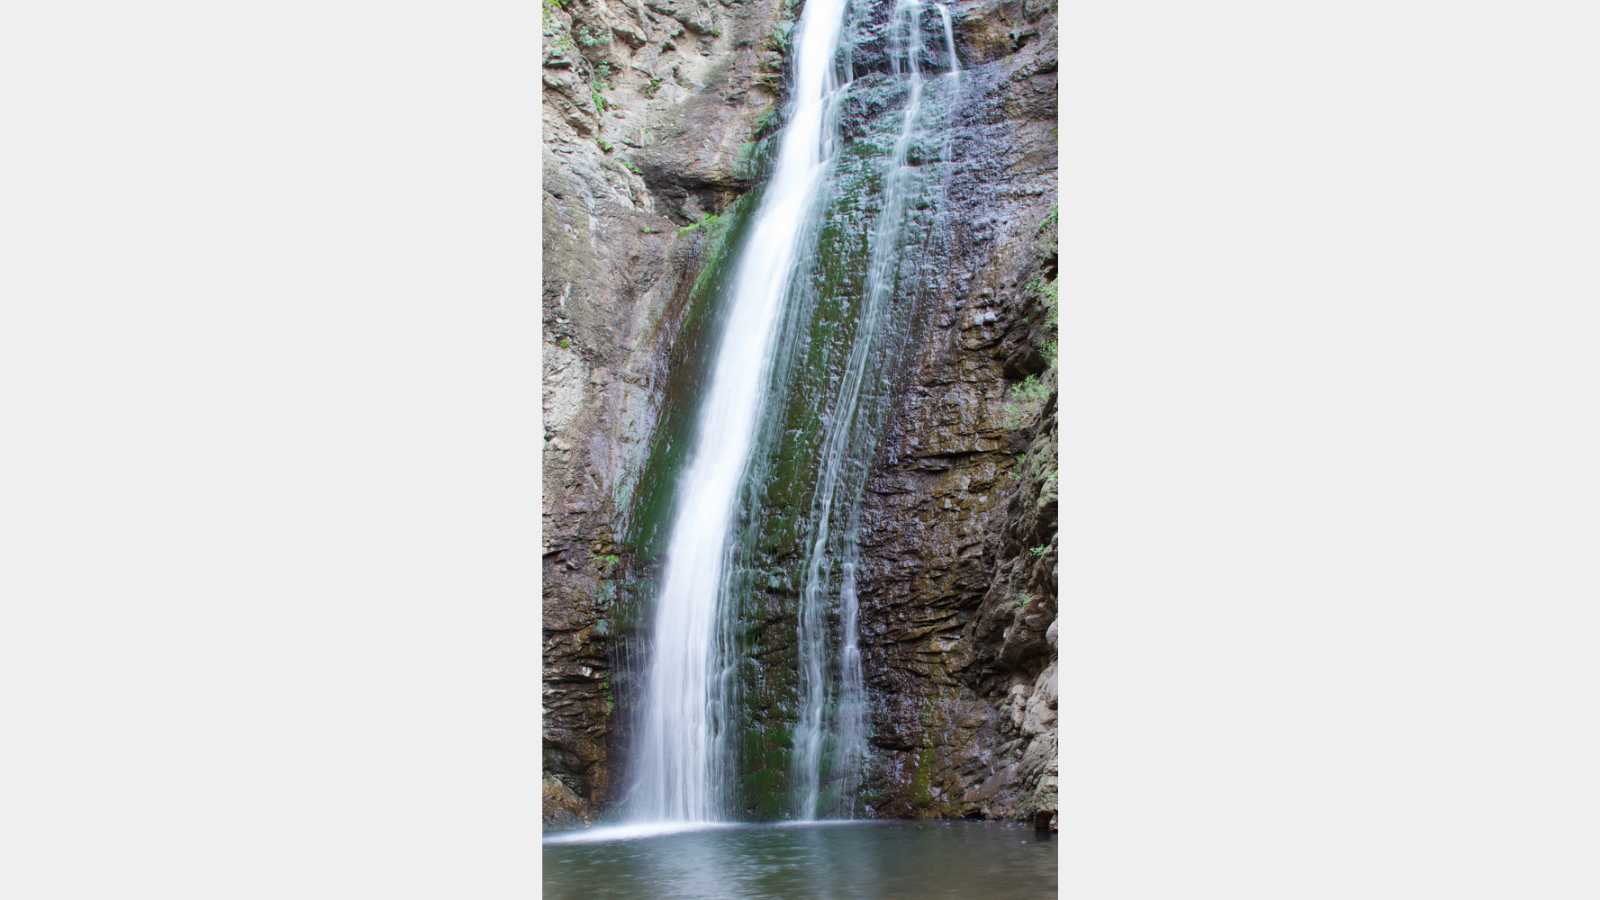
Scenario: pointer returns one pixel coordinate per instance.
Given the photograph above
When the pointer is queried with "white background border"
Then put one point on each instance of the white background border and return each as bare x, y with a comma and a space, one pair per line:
269, 334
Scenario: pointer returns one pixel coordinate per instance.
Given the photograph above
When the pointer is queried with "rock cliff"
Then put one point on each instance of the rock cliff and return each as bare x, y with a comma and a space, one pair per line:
653, 115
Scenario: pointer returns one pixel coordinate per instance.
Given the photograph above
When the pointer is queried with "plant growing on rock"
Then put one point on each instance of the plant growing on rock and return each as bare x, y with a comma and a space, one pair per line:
767, 117
778, 38
1027, 396
708, 221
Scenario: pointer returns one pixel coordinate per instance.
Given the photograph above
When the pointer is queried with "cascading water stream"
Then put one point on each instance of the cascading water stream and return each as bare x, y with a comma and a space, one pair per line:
681, 757
847, 450
692, 697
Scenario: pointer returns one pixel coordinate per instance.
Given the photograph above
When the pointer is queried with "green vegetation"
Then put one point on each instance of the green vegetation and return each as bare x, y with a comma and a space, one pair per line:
708, 221
646, 229
1039, 551
922, 779
745, 161
599, 85
564, 343
1023, 600
778, 38
557, 41
650, 89
767, 117
608, 562
1027, 396
604, 144
1034, 390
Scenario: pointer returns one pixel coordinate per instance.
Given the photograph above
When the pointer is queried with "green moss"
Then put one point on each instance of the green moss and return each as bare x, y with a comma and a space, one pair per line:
765, 120
764, 784
922, 779
652, 500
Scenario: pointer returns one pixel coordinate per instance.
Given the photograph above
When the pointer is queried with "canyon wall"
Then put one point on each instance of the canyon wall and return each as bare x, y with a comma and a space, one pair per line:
654, 119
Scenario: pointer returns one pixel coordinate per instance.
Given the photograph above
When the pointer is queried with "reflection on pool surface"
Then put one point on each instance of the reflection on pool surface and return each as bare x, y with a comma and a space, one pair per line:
876, 859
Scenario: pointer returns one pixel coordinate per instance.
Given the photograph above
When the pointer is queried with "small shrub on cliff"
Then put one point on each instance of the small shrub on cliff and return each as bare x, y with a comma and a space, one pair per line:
767, 117
650, 89
709, 222
1027, 396
778, 38
1039, 551
1049, 294
1023, 600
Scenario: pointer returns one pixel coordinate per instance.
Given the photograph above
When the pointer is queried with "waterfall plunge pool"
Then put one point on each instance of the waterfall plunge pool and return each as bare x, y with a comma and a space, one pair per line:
858, 858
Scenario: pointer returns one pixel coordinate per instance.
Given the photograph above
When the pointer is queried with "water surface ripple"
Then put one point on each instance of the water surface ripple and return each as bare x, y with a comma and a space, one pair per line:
854, 859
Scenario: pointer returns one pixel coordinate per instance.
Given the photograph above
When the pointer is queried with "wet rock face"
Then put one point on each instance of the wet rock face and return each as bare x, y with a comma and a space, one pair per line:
651, 108
958, 593
646, 108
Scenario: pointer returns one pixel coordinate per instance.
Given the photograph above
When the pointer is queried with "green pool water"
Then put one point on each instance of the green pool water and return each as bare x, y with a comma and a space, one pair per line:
987, 860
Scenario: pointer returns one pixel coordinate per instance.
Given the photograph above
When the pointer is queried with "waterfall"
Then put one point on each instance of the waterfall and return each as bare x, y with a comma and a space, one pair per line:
812, 310
681, 764
848, 446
